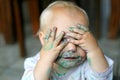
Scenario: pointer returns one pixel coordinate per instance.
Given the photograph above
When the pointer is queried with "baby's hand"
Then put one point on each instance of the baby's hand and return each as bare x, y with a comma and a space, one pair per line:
83, 38
52, 46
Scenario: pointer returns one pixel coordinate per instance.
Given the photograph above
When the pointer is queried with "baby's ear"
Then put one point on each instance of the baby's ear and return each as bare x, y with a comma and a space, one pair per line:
41, 37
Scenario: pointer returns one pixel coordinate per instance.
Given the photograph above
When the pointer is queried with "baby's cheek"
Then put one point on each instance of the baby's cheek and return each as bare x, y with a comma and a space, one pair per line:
81, 52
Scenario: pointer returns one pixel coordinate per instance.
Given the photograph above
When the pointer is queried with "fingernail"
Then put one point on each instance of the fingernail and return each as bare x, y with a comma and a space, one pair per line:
68, 40
62, 32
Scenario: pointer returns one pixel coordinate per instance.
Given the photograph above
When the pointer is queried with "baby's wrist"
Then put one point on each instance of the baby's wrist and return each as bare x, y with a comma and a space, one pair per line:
94, 52
46, 61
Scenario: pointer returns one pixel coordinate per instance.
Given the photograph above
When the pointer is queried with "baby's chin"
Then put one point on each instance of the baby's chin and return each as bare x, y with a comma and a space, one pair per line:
68, 66
70, 63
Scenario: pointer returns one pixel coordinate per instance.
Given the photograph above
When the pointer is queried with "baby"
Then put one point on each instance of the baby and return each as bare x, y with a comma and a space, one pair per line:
69, 50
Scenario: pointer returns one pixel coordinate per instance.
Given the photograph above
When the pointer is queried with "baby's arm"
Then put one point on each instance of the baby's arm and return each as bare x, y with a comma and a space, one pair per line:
48, 54
83, 38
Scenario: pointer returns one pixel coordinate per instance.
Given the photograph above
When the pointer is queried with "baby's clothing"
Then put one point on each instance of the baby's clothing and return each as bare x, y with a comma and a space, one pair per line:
82, 72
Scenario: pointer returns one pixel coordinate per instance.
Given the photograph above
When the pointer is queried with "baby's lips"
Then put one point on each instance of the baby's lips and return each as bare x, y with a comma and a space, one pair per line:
70, 57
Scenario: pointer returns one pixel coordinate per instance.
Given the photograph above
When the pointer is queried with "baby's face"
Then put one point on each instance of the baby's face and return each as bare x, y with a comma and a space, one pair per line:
72, 55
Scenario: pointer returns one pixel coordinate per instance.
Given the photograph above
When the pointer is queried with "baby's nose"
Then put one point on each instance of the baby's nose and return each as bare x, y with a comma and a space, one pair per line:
71, 47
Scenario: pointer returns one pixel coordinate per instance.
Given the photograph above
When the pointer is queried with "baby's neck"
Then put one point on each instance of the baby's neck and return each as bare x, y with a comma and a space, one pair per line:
59, 70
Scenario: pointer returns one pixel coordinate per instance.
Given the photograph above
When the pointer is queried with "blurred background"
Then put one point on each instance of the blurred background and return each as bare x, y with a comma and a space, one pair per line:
19, 23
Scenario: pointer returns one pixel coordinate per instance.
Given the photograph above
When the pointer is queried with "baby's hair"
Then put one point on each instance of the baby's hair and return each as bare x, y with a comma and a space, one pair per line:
65, 4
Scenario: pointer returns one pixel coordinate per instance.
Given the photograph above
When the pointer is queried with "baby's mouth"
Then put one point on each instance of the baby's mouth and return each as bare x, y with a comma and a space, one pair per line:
70, 57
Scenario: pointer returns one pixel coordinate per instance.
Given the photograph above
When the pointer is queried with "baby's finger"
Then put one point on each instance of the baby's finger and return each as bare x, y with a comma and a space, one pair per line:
76, 30
82, 27
74, 35
76, 42
62, 45
53, 33
47, 35
59, 38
